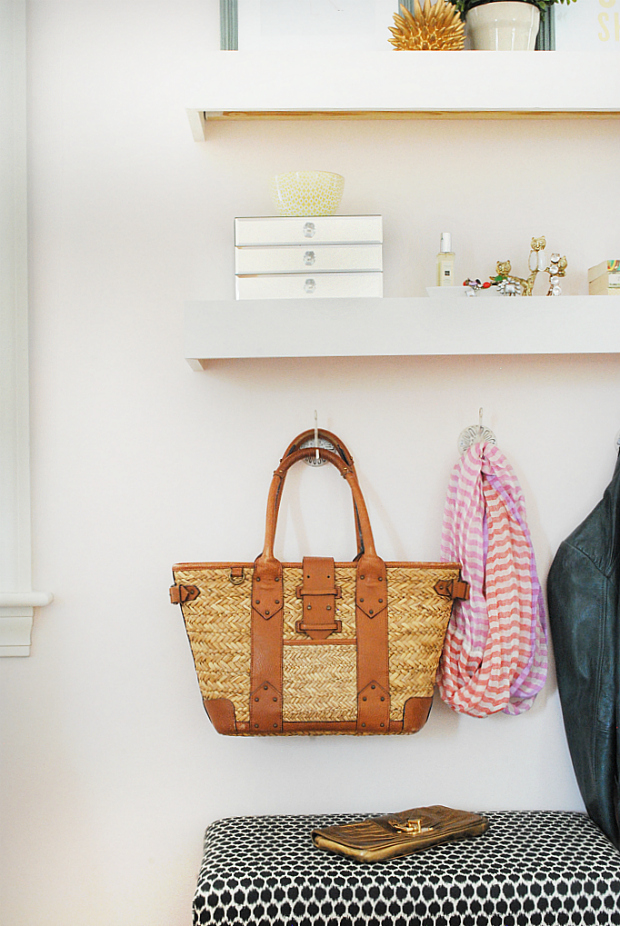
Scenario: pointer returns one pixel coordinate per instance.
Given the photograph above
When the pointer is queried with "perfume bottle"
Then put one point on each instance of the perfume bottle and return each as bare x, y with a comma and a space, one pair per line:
445, 261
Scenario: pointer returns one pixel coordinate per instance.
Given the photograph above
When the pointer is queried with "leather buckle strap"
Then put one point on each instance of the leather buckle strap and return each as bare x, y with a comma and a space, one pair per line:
452, 588
179, 594
318, 593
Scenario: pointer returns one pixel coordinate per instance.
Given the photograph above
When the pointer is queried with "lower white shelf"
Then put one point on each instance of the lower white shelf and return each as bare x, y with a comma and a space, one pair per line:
391, 327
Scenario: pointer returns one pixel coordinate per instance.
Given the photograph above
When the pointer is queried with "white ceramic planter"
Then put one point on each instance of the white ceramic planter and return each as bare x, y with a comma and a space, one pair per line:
506, 25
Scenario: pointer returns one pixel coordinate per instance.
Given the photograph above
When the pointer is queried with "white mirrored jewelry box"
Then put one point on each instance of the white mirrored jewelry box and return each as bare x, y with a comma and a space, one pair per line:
308, 256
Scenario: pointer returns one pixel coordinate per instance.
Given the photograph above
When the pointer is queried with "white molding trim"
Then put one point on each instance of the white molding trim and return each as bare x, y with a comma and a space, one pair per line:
17, 600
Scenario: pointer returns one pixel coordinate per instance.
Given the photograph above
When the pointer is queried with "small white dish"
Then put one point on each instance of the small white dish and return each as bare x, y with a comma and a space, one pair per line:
451, 292
446, 292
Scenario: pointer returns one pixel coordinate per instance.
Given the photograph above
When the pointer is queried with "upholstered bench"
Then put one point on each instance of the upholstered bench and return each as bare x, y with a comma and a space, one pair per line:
529, 868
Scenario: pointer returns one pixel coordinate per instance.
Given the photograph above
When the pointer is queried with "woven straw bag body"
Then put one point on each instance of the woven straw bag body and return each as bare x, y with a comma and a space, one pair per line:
318, 646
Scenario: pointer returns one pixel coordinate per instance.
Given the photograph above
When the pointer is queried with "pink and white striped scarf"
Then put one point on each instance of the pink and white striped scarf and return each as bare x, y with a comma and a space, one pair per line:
495, 652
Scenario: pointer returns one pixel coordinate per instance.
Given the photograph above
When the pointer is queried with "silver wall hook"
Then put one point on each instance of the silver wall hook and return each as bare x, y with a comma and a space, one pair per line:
475, 434
317, 442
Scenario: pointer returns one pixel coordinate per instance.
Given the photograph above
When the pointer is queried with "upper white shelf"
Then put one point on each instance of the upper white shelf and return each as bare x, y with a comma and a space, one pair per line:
394, 327
393, 85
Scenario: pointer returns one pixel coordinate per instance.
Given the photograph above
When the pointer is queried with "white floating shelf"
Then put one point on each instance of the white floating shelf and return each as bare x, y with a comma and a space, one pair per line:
397, 85
392, 327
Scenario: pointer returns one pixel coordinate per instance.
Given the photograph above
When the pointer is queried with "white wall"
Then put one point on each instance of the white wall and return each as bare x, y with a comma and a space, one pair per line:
111, 768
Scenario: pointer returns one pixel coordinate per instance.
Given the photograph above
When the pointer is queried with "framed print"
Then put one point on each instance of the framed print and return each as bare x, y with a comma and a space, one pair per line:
588, 25
228, 25
279, 25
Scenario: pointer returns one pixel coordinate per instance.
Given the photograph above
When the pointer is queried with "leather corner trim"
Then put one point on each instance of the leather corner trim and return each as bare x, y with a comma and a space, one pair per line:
221, 713
415, 714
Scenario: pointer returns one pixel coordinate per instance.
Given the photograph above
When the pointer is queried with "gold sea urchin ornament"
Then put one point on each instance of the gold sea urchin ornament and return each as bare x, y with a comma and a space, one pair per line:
433, 28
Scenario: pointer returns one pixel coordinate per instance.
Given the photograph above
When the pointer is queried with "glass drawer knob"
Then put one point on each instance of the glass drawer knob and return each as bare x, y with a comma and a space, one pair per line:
310, 286
309, 230
309, 258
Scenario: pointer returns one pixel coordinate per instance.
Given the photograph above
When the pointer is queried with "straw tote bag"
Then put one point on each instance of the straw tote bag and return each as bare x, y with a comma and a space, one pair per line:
318, 646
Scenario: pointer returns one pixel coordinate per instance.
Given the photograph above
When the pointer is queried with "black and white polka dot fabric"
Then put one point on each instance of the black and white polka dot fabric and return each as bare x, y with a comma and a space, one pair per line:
529, 869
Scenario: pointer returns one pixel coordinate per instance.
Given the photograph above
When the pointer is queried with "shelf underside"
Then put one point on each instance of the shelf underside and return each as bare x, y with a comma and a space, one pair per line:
297, 115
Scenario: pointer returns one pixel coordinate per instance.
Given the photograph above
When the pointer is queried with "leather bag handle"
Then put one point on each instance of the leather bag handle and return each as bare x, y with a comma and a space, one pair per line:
342, 450
346, 471
333, 439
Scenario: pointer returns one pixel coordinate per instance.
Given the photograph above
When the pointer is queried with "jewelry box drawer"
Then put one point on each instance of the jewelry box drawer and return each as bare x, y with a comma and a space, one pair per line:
319, 229
302, 259
302, 286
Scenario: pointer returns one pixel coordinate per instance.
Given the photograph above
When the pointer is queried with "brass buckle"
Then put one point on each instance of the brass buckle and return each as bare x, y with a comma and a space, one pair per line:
413, 827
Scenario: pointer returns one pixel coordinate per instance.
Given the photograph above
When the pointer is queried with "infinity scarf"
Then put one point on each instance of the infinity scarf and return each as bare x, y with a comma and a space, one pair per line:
495, 652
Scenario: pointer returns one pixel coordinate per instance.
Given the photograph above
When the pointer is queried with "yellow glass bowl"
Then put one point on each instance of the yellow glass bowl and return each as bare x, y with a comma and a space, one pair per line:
307, 192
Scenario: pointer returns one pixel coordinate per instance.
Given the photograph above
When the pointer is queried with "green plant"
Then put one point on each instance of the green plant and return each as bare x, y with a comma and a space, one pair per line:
464, 5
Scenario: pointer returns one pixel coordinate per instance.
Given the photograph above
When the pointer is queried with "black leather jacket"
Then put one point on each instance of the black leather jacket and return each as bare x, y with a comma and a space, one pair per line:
584, 614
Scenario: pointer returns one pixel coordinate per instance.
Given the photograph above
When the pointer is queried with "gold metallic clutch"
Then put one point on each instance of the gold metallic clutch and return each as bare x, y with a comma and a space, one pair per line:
399, 833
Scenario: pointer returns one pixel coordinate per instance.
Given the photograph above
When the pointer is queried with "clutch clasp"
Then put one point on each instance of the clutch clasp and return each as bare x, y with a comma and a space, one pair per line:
412, 827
